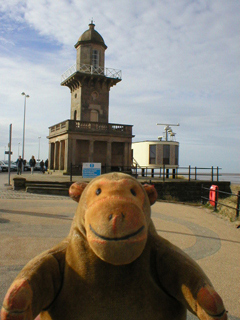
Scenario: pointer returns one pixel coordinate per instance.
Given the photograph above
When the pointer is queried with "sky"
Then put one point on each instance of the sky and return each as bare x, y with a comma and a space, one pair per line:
179, 62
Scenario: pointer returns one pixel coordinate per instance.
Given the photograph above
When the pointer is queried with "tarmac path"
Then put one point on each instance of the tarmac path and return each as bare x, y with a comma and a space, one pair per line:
30, 224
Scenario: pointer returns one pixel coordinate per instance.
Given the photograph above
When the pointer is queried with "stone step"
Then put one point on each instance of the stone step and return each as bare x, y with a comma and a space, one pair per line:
47, 185
48, 190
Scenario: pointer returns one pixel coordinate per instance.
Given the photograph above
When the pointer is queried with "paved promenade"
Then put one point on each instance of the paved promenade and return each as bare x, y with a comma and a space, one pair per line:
30, 224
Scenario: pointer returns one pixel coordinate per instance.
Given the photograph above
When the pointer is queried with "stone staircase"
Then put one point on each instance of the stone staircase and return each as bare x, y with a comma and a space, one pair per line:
47, 187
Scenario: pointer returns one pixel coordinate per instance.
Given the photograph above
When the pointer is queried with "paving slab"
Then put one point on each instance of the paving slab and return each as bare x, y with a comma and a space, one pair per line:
31, 223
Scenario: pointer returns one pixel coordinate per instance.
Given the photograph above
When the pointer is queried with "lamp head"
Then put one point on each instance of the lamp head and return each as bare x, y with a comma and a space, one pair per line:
26, 95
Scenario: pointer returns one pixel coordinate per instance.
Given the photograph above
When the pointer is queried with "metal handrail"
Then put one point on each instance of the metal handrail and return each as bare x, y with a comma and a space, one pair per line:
90, 69
153, 172
216, 202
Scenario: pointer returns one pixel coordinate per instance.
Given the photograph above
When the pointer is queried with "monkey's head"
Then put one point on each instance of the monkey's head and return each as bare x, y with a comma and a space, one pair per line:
114, 215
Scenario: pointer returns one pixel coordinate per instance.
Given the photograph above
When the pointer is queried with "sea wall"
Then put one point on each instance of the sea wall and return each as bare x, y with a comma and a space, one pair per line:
183, 191
189, 191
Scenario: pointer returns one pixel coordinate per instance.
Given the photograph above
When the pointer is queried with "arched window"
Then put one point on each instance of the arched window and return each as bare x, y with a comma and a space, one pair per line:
75, 115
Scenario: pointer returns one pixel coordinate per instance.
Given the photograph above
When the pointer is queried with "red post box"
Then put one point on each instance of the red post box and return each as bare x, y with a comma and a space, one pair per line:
213, 195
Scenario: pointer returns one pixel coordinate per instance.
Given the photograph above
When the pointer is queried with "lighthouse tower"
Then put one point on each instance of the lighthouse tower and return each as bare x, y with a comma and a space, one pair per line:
88, 136
90, 82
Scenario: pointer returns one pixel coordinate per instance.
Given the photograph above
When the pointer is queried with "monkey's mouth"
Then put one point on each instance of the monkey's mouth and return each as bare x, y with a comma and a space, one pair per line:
117, 239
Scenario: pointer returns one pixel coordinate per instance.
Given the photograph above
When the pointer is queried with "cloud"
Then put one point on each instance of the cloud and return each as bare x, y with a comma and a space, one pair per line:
179, 59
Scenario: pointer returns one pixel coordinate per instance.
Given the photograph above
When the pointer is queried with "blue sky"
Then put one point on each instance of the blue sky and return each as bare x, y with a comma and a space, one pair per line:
179, 61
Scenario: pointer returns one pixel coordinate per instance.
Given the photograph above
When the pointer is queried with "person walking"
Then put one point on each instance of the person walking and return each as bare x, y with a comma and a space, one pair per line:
19, 165
42, 166
32, 163
46, 164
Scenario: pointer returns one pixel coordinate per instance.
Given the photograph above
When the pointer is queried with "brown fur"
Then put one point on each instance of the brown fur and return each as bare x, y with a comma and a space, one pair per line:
113, 265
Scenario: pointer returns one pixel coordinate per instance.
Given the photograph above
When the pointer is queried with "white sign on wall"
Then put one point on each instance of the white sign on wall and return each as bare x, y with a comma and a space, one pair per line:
91, 170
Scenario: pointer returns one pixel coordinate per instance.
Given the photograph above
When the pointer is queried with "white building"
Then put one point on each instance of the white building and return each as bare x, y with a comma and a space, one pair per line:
156, 154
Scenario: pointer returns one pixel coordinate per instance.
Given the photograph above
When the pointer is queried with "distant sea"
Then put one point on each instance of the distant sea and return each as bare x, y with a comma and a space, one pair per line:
234, 178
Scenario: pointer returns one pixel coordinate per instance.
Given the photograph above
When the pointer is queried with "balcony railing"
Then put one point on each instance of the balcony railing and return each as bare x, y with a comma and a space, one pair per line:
90, 69
93, 127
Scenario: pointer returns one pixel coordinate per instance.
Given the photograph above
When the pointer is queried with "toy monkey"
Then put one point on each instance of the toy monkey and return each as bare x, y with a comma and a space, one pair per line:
113, 265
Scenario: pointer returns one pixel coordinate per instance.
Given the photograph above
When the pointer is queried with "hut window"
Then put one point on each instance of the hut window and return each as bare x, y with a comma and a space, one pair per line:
166, 154
152, 154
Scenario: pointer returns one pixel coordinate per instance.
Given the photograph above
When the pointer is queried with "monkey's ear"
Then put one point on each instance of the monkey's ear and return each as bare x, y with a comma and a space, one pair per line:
76, 190
151, 192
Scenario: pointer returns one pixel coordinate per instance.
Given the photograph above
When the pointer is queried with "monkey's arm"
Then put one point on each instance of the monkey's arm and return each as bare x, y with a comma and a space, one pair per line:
182, 278
35, 287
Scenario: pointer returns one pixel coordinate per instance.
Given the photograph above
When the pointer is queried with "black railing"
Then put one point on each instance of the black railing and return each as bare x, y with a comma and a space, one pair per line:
164, 173
191, 173
217, 193
77, 169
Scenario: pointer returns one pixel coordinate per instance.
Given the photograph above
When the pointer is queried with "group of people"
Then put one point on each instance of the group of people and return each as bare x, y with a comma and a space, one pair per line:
32, 163
44, 165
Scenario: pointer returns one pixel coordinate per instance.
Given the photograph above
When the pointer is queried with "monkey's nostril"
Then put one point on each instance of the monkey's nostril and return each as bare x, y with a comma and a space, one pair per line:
123, 215
110, 217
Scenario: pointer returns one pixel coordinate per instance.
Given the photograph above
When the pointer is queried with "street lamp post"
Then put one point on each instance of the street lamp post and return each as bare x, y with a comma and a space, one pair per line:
39, 148
24, 118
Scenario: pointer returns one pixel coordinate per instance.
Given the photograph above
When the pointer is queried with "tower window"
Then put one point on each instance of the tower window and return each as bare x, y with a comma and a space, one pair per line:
95, 58
75, 95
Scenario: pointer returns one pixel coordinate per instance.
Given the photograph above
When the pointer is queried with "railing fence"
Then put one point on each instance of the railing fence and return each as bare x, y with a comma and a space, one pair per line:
205, 199
77, 169
90, 69
192, 173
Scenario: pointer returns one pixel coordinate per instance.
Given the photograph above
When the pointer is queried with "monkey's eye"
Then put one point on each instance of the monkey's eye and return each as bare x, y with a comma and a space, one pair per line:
133, 192
98, 191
